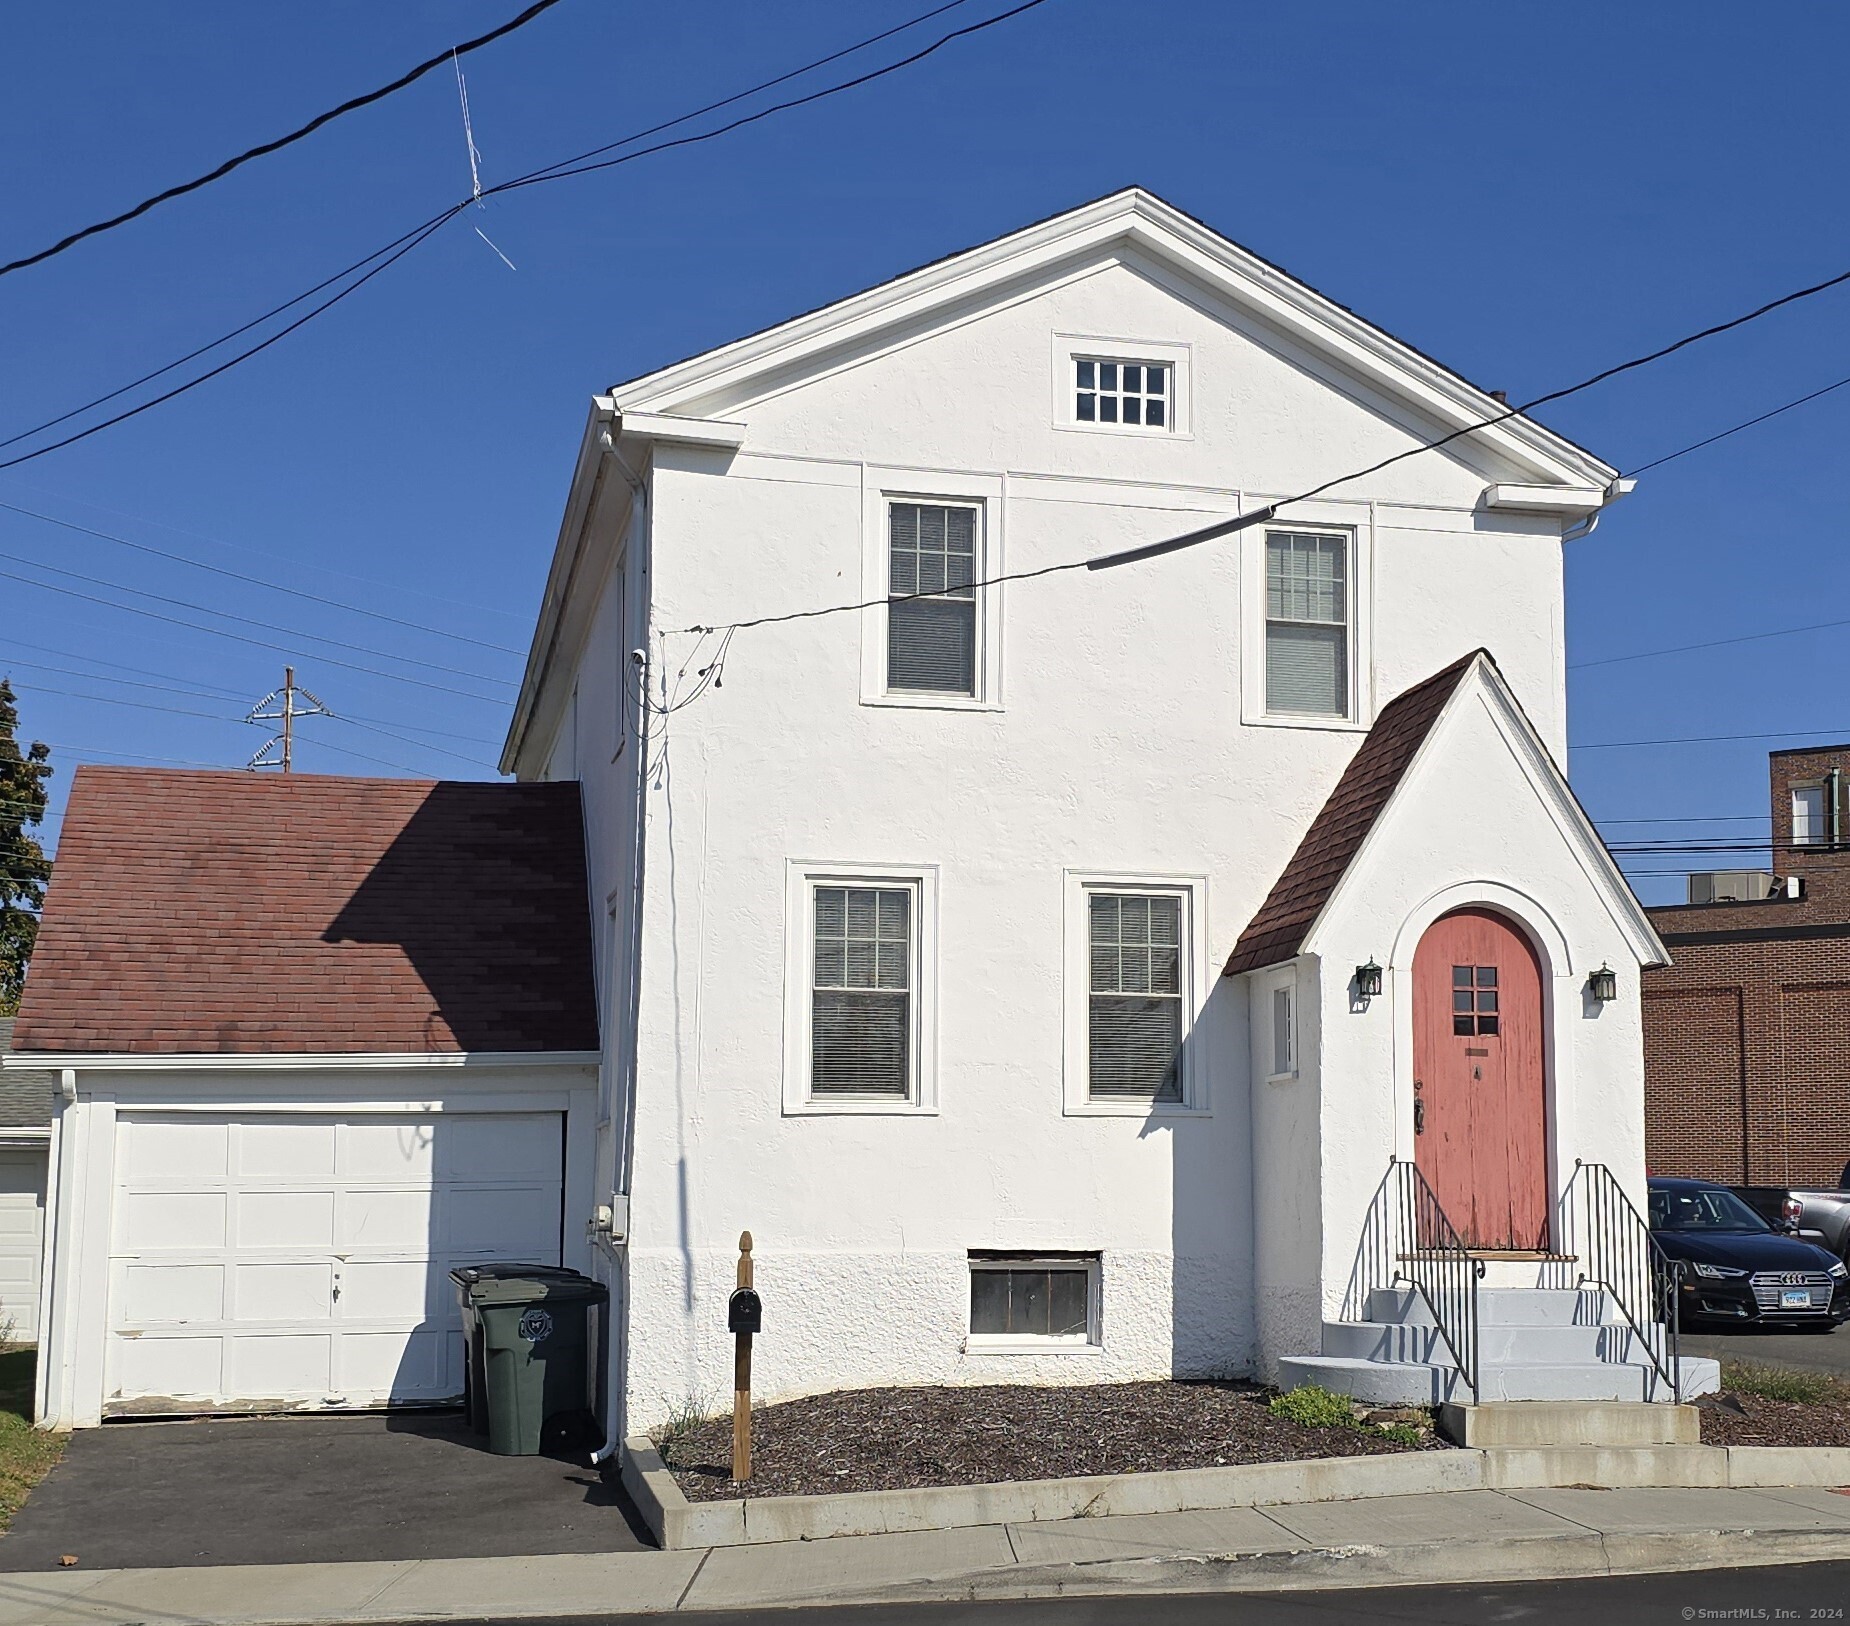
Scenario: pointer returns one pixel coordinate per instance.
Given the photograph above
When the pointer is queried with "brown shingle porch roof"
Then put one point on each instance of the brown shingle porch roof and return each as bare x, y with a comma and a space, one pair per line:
200, 912
1277, 932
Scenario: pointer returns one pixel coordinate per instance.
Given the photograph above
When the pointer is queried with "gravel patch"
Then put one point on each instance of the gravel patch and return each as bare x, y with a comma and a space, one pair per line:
905, 1439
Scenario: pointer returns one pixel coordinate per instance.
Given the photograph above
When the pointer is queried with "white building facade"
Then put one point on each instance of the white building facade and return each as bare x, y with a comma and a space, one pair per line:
913, 920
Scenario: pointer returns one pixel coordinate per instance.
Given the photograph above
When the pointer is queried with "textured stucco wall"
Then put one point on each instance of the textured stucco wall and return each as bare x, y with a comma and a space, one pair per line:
1115, 744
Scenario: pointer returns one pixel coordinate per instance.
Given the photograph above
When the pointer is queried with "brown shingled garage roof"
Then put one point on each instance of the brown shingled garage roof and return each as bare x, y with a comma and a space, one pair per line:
198, 912
1336, 835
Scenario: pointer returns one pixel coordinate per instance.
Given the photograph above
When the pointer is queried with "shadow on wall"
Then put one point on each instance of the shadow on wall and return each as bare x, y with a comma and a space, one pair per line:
1212, 1332
482, 893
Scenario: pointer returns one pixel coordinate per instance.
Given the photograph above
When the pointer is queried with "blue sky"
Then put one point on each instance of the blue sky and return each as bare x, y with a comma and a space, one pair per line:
1527, 193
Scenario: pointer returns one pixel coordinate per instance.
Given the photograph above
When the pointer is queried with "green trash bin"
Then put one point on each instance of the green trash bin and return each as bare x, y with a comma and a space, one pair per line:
530, 1346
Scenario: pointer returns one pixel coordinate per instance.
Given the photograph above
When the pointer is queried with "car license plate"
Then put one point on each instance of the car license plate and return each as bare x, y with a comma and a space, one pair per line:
1795, 1298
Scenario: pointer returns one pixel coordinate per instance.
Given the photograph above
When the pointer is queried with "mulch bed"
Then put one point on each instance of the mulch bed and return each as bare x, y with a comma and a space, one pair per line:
904, 1439
1775, 1422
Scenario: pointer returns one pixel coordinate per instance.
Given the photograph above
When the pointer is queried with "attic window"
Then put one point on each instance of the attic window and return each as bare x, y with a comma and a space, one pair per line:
1137, 393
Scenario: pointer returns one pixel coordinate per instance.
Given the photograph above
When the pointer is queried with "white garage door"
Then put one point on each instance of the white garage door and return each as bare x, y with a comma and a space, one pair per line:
22, 1240
279, 1259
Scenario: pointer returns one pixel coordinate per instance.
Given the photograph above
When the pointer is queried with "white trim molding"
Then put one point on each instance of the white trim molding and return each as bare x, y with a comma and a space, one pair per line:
261, 1061
1178, 358
800, 882
1076, 1068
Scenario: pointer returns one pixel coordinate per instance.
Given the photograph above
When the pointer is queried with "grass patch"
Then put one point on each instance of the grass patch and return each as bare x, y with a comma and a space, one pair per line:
1313, 1407
1780, 1383
27, 1454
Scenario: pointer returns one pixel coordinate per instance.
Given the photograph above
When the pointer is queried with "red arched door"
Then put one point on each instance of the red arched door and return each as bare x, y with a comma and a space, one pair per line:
1480, 1114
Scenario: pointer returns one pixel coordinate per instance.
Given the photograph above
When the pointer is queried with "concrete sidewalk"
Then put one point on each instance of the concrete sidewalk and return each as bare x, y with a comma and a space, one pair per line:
1457, 1536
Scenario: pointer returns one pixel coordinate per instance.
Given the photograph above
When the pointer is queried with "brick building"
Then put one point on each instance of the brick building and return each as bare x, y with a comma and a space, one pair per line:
1747, 1033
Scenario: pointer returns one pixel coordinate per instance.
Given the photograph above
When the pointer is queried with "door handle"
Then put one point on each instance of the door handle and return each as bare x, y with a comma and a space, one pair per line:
1419, 1116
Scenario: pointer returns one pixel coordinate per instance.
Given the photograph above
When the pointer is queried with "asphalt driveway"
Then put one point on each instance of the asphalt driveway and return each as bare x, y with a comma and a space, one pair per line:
1802, 1351
310, 1489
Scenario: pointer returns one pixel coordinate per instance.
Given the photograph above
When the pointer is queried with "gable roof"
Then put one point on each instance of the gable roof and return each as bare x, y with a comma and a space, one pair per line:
25, 1092
1133, 218
1342, 824
208, 912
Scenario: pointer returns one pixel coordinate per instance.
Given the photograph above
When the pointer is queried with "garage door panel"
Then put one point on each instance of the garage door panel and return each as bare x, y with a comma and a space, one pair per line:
152, 1147
151, 1294
389, 1149
291, 1148
298, 1285
186, 1368
281, 1366
510, 1223
283, 1292
175, 1221
513, 1148
294, 1220
392, 1290
386, 1221
399, 1362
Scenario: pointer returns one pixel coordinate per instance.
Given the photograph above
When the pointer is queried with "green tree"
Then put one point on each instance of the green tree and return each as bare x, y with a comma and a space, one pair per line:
24, 868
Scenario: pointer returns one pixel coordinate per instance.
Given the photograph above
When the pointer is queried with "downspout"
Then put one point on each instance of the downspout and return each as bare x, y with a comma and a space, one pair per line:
1833, 780
1613, 492
632, 1019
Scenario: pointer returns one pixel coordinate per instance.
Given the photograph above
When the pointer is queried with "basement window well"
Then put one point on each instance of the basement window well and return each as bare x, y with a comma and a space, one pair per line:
1033, 1302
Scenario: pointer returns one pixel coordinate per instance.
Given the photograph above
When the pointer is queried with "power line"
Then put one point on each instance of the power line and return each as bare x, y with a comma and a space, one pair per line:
1711, 643
1706, 739
1747, 423
402, 245
259, 581
248, 621
1695, 818
256, 643
353, 104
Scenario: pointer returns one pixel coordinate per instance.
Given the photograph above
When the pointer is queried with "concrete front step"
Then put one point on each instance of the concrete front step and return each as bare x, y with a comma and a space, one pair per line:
1606, 1423
1417, 1383
1417, 1341
1502, 1307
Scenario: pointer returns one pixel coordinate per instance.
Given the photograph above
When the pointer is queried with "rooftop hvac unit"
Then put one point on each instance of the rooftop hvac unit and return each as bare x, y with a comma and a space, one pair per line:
1730, 886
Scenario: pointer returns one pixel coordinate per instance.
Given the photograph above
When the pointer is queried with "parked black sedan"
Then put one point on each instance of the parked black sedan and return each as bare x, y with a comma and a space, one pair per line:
1737, 1268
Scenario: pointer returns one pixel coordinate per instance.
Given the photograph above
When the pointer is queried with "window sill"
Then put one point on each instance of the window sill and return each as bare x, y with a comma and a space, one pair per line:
1135, 430
922, 700
1335, 725
978, 1344
860, 1108
1283, 1078
1136, 1109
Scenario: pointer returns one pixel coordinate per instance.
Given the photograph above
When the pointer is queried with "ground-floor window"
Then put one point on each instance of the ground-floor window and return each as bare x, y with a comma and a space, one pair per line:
1033, 1301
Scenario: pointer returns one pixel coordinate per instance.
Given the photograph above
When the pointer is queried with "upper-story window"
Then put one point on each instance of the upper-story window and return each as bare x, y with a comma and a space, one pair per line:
1123, 392
1809, 819
931, 637
1307, 624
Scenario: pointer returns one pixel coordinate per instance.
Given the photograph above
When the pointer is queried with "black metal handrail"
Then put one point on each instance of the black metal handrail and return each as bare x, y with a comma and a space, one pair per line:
1619, 1254
1408, 1238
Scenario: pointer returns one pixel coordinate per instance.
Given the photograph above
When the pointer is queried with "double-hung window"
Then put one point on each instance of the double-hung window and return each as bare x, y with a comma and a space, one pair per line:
858, 978
1134, 1001
1307, 624
1809, 818
931, 612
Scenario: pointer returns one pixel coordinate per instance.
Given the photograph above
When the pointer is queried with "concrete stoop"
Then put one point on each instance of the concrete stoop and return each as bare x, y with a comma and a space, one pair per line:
1534, 1344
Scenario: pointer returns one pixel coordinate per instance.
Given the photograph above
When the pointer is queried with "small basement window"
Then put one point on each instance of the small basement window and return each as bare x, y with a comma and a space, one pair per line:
1122, 392
1034, 1300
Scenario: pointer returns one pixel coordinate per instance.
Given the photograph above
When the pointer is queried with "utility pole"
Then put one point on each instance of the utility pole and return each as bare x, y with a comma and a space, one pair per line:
280, 706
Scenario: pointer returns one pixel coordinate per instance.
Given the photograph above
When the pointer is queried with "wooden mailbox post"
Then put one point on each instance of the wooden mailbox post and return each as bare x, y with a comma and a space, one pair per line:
744, 1316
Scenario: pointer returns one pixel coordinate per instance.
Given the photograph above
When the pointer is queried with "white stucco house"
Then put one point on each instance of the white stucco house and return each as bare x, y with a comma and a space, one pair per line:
1196, 965
985, 936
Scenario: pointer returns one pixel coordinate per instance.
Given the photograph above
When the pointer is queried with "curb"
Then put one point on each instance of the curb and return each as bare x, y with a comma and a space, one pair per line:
679, 1524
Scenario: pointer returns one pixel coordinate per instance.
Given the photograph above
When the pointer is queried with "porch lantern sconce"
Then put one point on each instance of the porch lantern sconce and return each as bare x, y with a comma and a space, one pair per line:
1603, 984
1368, 980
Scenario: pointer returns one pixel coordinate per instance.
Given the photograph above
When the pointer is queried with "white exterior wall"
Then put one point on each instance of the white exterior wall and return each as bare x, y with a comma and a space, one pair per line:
1115, 743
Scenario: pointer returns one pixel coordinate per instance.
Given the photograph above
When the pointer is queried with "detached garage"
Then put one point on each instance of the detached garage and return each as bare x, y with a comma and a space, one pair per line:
318, 1040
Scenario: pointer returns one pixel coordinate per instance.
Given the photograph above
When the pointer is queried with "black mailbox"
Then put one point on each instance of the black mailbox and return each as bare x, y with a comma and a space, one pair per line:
744, 1311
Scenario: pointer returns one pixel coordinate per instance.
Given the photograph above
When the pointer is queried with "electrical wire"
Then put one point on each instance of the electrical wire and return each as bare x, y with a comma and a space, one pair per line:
402, 245
1707, 739
353, 104
260, 581
1711, 643
256, 643
1748, 423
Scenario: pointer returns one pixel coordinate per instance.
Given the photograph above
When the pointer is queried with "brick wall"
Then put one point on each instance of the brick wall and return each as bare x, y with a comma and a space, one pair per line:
1747, 1033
